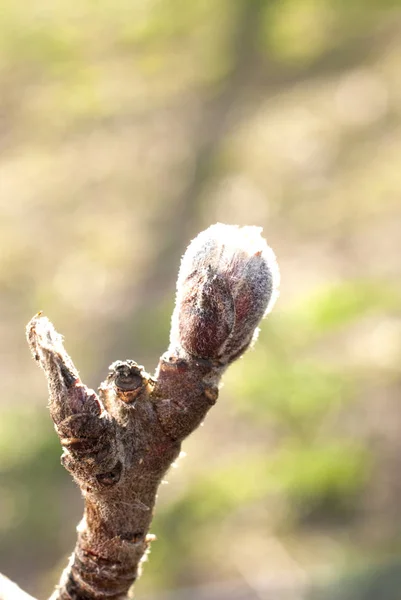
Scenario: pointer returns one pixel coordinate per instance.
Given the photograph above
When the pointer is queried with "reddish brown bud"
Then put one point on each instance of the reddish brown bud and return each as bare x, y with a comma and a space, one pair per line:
227, 282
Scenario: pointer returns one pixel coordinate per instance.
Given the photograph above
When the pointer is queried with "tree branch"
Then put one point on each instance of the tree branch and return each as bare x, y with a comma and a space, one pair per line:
119, 443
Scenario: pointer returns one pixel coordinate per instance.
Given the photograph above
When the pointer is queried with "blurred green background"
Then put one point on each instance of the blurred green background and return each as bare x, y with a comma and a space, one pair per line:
126, 127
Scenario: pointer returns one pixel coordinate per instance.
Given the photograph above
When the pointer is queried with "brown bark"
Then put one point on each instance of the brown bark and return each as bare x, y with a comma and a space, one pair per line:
119, 443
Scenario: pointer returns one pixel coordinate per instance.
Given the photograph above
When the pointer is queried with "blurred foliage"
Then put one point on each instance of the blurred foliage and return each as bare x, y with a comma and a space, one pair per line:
125, 128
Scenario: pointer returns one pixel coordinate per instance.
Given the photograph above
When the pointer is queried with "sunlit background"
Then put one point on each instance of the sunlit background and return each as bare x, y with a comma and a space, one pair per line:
126, 127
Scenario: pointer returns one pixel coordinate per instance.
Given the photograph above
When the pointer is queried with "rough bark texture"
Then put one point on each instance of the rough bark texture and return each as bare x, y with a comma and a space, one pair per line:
119, 443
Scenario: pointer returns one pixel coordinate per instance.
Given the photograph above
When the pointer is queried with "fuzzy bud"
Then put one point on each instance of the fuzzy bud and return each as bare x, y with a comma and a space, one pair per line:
227, 282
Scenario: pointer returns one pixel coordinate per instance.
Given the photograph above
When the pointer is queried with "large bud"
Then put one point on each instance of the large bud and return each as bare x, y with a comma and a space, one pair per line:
227, 282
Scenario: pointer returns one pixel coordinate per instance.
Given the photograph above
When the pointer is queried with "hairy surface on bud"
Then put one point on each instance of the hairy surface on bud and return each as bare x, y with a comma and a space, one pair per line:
227, 282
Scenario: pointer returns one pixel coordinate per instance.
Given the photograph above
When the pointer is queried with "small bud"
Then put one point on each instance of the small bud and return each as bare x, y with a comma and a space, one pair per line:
130, 380
227, 282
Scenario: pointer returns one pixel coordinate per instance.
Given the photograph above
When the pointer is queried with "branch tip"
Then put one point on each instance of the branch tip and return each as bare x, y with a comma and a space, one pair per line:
228, 281
119, 445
